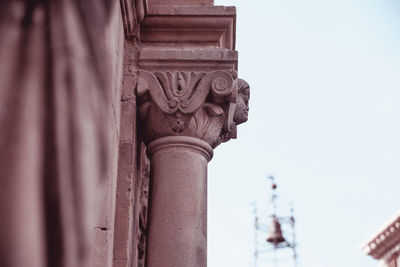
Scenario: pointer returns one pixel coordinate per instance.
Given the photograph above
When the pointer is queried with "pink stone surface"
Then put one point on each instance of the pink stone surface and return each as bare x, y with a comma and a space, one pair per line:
127, 167
180, 128
103, 226
181, 2
69, 136
185, 26
140, 210
178, 213
199, 59
124, 209
58, 130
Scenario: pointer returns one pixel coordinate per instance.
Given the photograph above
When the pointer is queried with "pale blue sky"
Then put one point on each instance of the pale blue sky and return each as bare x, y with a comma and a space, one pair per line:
324, 119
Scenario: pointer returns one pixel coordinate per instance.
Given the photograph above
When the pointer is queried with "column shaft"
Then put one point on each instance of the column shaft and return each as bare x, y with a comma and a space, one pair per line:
178, 208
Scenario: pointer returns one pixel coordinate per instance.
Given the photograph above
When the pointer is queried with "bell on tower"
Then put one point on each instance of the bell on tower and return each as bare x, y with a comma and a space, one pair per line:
278, 238
275, 233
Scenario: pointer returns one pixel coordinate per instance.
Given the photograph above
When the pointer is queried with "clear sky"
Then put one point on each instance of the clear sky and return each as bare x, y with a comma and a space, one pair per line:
324, 119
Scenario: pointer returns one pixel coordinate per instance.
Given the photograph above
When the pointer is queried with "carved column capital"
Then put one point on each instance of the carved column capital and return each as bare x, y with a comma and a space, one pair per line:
188, 103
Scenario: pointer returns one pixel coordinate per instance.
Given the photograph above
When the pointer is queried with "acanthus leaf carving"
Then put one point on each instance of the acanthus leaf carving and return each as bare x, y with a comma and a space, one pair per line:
188, 103
207, 124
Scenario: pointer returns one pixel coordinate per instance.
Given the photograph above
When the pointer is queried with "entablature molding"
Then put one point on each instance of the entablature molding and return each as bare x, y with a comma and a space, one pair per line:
189, 25
205, 59
133, 12
181, 2
171, 25
384, 242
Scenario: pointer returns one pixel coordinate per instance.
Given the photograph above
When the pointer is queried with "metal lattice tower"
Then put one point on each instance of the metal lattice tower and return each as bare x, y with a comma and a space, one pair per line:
277, 238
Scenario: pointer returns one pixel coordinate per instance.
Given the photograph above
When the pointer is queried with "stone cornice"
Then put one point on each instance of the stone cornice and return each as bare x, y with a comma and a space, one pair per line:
196, 25
386, 241
189, 25
199, 59
133, 12
181, 2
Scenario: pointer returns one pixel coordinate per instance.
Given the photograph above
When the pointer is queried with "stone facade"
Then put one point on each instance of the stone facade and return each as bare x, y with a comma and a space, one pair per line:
109, 118
384, 245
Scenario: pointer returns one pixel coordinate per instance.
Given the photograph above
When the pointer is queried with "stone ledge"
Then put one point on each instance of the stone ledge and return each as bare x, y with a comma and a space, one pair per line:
188, 58
383, 241
181, 2
189, 10
189, 25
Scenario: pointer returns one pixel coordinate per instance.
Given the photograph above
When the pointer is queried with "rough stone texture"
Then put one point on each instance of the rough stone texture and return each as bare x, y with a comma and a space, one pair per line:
141, 210
102, 254
127, 165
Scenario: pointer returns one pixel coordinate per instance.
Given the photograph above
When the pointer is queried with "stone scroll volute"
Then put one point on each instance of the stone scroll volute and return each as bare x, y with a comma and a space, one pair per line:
188, 103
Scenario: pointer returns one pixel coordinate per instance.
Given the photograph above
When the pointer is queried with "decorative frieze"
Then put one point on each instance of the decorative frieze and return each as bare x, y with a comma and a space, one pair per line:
384, 243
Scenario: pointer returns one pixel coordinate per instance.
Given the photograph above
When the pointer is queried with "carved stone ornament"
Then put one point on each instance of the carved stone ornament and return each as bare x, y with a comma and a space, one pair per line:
143, 209
242, 107
188, 103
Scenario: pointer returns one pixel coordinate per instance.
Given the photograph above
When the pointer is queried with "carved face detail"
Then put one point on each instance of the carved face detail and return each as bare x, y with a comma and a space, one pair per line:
242, 102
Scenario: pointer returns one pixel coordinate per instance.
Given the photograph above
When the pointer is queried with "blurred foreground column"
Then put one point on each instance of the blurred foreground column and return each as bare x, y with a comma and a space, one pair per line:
58, 99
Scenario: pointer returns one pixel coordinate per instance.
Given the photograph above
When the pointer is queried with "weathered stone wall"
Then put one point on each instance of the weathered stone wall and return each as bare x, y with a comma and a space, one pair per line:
127, 164
104, 225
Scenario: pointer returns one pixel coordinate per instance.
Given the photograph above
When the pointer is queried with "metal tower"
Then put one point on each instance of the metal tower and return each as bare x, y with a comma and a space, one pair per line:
279, 235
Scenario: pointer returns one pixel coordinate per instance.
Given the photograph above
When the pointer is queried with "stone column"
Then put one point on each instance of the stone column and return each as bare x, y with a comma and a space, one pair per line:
178, 215
185, 115
189, 101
